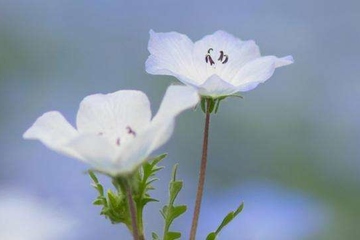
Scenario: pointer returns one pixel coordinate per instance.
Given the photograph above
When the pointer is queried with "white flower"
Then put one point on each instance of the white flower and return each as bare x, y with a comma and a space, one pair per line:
217, 65
115, 133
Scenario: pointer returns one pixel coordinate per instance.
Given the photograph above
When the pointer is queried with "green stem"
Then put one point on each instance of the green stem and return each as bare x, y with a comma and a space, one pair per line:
201, 182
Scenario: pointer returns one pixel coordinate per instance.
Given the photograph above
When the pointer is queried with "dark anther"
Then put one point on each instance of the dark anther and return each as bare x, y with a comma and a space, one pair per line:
221, 56
130, 131
208, 59
118, 141
100, 133
210, 49
226, 59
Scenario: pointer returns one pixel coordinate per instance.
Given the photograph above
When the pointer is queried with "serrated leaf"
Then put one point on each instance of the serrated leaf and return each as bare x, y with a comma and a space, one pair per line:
174, 212
230, 217
112, 199
175, 188
227, 219
170, 212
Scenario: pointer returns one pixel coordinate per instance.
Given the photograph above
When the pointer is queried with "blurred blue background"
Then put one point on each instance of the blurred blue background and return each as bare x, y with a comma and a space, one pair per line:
289, 149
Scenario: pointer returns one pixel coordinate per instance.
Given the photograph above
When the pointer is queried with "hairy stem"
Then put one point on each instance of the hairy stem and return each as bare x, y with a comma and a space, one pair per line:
201, 182
135, 229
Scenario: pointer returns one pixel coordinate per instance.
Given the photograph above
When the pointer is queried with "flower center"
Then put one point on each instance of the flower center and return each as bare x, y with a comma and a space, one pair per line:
129, 131
223, 58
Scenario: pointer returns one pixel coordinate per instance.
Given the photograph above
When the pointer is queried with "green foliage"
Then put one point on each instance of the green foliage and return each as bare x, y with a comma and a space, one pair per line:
145, 179
214, 103
155, 236
170, 211
229, 217
115, 206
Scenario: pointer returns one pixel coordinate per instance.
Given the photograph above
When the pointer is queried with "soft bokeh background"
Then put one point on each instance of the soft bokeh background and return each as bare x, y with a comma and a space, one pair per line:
289, 149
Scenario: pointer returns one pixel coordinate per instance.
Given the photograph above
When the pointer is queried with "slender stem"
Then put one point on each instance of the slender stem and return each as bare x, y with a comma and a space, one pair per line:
202, 172
132, 209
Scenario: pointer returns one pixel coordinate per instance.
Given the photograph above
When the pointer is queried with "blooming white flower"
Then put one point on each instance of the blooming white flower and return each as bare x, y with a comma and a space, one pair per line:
115, 133
217, 65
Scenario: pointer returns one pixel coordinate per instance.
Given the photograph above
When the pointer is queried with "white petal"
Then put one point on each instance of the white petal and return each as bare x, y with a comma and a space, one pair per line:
53, 131
111, 114
238, 57
176, 100
133, 153
171, 54
214, 86
258, 71
238, 53
97, 151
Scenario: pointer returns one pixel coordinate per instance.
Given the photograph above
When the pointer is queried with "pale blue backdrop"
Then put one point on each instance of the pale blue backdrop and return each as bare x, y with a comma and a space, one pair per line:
289, 149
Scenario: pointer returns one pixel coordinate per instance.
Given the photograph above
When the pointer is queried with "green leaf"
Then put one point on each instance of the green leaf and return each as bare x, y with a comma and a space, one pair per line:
112, 199
211, 236
155, 236
114, 205
172, 235
170, 211
93, 177
175, 188
99, 201
229, 217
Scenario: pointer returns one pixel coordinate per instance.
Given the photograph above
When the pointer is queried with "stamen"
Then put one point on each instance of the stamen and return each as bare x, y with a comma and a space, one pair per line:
208, 59
221, 56
118, 141
100, 133
130, 131
226, 59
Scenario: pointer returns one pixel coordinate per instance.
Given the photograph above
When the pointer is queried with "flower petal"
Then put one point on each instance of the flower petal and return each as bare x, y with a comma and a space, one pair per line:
176, 100
53, 131
112, 114
214, 86
133, 153
171, 54
258, 71
97, 151
236, 52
